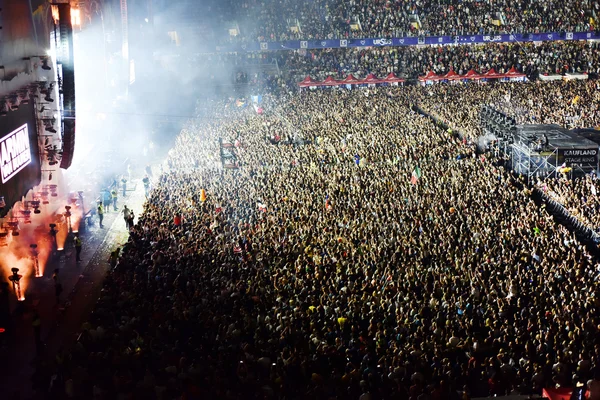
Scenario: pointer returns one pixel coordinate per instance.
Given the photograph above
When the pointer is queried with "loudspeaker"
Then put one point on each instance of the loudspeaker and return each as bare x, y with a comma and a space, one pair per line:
68, 143
67, 81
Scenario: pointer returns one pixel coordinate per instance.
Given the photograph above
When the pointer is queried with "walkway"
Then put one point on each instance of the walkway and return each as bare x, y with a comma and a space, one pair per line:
82, 283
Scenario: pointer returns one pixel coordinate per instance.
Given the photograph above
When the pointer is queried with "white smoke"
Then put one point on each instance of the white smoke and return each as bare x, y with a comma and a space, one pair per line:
21, 74
484, 141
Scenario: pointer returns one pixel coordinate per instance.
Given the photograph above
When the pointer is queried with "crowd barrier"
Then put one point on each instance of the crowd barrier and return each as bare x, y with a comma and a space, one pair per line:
584, 233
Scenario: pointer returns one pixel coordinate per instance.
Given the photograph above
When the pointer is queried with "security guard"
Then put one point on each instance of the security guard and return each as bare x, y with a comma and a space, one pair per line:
106, 199
100, 214
78, 248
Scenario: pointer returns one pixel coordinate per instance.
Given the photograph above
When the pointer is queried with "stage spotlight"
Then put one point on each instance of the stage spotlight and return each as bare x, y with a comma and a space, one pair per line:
15, 278
45, 65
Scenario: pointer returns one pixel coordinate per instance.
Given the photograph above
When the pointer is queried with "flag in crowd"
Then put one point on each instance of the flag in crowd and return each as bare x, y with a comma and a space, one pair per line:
416, 175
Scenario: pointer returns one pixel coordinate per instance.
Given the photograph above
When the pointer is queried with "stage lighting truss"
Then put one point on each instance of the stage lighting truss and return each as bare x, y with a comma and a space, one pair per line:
32, 205
497, 123
49, 123
10, 225
49, 189
3, 108
14, 102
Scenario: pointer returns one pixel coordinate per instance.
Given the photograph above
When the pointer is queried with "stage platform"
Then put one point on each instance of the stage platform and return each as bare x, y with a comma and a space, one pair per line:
558, 137
543, 151
61, 322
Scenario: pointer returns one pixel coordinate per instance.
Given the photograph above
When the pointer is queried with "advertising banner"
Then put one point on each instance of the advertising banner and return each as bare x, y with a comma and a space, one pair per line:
578, 157
407, 41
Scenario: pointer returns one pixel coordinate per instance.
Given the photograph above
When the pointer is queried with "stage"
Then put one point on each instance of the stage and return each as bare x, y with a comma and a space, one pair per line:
542, 151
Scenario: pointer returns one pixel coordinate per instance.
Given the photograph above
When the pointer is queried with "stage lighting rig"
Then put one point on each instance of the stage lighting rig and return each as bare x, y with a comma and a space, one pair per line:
23, 96
35, 204
49, 124
45, 65
52, 189
15, 278
14, 227
14, 103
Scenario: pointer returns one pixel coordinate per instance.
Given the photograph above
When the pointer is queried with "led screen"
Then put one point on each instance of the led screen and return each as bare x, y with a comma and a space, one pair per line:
15, 153
19, 155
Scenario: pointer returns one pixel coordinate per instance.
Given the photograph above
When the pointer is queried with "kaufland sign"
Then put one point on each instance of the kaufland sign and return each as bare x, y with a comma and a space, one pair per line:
15, 152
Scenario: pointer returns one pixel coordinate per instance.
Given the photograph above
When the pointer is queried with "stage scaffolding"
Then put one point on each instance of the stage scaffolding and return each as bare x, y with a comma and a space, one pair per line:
538, 151
533, 163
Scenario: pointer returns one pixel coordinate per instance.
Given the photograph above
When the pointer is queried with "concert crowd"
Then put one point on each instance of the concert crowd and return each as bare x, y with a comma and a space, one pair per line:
333, 19
570, 104
358, 251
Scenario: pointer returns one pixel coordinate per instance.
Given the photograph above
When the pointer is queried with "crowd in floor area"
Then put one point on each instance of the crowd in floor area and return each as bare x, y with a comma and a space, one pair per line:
358, 251
570, 104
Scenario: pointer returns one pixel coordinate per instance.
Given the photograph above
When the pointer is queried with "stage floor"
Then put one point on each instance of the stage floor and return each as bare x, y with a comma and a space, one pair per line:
61, 323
